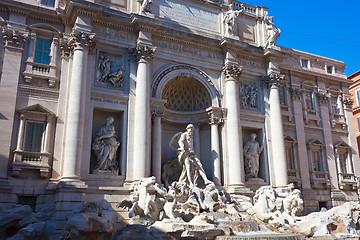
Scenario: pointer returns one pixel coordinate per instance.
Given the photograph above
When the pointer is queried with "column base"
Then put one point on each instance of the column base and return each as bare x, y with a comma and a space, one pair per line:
239, 189
255, 183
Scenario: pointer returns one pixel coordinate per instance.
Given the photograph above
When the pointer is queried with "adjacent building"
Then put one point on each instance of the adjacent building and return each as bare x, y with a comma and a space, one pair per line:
155, 66
355, 95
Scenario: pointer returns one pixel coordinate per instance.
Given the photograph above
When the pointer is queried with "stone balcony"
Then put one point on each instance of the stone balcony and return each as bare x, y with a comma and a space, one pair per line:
40, 71
347, 180
319, 179
32, 161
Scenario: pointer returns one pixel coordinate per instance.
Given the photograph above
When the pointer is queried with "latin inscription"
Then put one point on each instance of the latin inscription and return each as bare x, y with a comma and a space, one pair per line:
187, 49
189, 15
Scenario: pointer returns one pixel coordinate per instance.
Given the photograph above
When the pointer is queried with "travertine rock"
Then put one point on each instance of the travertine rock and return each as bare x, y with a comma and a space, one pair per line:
336, 222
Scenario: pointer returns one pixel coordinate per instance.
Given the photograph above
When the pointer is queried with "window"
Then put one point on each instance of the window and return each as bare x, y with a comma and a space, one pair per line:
317, 161
282, 94
290, 158
358, 97
358, 124
330, 69
309, 101
305, 63
343, 162
42, 51
33, 147
33, 137
49, 3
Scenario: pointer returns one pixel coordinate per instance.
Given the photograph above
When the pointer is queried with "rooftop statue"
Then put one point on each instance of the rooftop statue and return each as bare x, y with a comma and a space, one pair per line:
272, 32
230, 19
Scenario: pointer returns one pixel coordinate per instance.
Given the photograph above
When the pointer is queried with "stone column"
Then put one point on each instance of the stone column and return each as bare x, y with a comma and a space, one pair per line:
197, 139
215, 149
14, 43
75, 117
235, 161
156, 144
276, 131
20, 140
142, 112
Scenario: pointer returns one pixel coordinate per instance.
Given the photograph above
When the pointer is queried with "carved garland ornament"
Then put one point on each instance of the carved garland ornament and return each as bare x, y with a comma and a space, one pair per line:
348, 102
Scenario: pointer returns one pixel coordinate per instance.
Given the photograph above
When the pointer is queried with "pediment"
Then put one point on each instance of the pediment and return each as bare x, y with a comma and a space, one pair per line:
315, 142
36, 109
341, 144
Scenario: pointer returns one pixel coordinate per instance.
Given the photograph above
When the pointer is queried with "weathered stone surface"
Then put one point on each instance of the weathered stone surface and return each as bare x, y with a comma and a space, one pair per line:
93, 221
336, 222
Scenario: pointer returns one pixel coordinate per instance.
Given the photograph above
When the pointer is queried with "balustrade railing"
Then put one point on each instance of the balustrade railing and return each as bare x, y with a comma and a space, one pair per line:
246, 8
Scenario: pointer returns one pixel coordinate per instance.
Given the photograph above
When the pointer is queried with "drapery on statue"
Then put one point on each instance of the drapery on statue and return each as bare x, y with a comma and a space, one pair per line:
183, 143
230, 19
252, 151
272, 32
105, 146
146, 6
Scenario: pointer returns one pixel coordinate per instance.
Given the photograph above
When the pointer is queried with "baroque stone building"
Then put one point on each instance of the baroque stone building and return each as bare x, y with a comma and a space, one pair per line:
153, 67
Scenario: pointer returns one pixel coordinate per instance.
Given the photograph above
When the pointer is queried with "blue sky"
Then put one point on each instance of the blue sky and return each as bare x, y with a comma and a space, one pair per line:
327, 28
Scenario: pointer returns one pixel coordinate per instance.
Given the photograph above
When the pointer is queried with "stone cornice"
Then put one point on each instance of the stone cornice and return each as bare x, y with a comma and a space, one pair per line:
329, 77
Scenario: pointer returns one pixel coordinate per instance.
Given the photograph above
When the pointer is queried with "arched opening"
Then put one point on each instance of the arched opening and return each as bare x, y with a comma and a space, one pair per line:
186, 94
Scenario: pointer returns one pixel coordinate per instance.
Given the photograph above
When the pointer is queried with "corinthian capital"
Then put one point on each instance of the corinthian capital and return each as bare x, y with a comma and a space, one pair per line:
82, 40
231, 71
142, 52
348, 102
274, 79
14, 38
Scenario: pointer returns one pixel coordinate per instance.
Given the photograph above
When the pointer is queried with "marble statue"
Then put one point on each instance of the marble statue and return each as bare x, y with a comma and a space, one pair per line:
105, 146
107, 75
191, 165
146, 6
252, 151
272, 32
230, 19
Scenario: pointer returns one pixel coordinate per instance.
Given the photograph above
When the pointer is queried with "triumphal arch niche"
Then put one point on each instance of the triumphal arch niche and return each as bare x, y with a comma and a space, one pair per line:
191, 97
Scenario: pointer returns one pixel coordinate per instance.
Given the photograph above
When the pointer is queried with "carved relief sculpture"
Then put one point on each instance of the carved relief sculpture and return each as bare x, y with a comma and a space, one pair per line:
272, 32
249, 95
230, 20
252, 151
191, 165
108, 74
105, 146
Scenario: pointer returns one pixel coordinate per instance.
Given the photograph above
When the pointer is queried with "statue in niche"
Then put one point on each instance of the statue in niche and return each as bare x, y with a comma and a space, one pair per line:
183, 143
107, 75
146, 6
252, 151
105, 146
272, 32
230, 19
249, 96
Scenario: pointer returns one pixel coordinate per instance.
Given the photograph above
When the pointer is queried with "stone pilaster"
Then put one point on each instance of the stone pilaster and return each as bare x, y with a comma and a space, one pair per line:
156, 143
235, 161
142, 112
297, 96
14, 43
79, 44
278, 161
